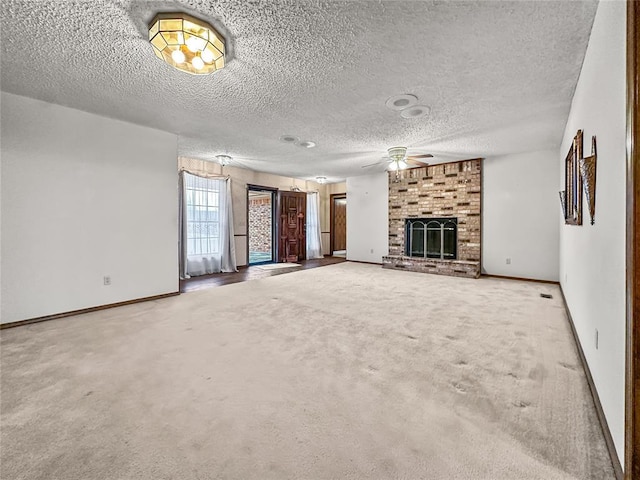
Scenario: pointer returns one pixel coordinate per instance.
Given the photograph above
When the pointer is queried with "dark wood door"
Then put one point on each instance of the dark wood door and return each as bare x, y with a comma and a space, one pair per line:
339, 226
292, 209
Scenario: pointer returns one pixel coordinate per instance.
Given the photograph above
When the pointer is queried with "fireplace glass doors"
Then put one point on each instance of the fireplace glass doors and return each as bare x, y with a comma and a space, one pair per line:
431, 238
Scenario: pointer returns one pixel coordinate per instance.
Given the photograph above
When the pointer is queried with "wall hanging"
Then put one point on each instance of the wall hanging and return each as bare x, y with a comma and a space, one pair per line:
588, 177
573, 183
563, 203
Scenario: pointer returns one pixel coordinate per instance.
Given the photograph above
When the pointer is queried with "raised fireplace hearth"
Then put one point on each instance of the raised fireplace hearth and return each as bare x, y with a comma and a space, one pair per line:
454, 268
434, 219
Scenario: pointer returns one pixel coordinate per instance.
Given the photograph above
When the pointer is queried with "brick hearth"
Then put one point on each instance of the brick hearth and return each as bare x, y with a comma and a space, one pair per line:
456, 268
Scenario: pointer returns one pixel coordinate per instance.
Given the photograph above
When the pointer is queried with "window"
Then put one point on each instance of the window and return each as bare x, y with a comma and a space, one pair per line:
203, 197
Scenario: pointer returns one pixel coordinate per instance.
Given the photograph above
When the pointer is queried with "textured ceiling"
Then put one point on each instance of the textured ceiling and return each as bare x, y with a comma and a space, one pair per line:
498, 75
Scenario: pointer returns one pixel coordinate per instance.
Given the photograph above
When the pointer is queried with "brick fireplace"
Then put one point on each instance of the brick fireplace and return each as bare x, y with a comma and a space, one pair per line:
449, 194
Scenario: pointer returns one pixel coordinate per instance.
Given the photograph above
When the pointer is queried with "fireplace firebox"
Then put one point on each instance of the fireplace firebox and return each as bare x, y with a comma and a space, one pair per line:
431, 238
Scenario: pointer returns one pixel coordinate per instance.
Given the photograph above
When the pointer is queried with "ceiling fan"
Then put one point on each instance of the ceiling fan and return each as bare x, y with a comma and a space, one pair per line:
397, 159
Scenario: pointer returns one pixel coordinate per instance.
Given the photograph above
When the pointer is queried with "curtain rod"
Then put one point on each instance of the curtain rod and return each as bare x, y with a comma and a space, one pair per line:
205, 174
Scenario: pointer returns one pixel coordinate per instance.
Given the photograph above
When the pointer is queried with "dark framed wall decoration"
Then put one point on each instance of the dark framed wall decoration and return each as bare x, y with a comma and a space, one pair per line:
573, 183
588, 177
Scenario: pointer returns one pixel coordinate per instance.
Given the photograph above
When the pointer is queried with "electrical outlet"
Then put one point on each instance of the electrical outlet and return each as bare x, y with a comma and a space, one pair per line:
508, 261
107, 280
597, 339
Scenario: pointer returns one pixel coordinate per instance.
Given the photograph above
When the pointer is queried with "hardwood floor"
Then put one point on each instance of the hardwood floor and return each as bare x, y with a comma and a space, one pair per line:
249, 273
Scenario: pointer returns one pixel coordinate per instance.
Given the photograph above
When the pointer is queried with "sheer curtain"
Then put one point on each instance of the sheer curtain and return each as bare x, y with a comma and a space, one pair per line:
314, 239
206, 225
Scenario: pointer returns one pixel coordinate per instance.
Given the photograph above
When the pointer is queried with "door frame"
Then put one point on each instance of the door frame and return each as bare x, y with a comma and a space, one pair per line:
274, 223
332, 214
632, 377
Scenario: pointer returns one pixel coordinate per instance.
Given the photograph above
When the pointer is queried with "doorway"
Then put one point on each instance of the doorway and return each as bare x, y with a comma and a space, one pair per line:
338, 219
261, 225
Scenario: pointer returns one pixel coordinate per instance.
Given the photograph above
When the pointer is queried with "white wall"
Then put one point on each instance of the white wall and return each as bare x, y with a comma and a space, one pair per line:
520, 215
83, 196
592, 258
368, 218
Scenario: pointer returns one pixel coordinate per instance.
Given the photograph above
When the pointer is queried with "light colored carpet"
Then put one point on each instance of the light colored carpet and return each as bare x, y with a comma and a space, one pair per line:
342, 372
277, 266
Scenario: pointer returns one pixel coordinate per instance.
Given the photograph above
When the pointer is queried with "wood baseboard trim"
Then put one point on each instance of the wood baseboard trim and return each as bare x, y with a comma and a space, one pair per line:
46, 318
617, 466
365, 263
522, 279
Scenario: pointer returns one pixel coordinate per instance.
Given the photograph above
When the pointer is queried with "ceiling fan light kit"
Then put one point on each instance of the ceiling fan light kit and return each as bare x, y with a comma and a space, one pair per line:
397, 153
187, 43
397, 165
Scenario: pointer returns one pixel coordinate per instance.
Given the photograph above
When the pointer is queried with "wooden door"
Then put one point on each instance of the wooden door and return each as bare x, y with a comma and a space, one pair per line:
292, 209
339, 223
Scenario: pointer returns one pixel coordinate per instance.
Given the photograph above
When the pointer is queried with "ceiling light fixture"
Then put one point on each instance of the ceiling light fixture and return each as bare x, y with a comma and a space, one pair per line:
306, 144
416, 111
186, 43
223, 160
399, 102
321, 180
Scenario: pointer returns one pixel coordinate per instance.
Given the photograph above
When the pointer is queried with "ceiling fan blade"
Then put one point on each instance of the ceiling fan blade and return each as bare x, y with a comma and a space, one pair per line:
373, 164
422, 155
412, 161
384, 161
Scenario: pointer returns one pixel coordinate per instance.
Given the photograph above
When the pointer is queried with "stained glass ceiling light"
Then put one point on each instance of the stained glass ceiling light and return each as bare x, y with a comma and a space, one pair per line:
186, 43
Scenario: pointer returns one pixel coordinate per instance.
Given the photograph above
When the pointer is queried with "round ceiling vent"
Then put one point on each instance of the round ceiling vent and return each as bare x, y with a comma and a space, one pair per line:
416, 111
289, 139
306, 144
400, 102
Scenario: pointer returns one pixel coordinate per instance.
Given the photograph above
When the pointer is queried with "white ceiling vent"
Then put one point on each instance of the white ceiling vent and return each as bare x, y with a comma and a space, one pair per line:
400, 102
417, 111
289, 139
